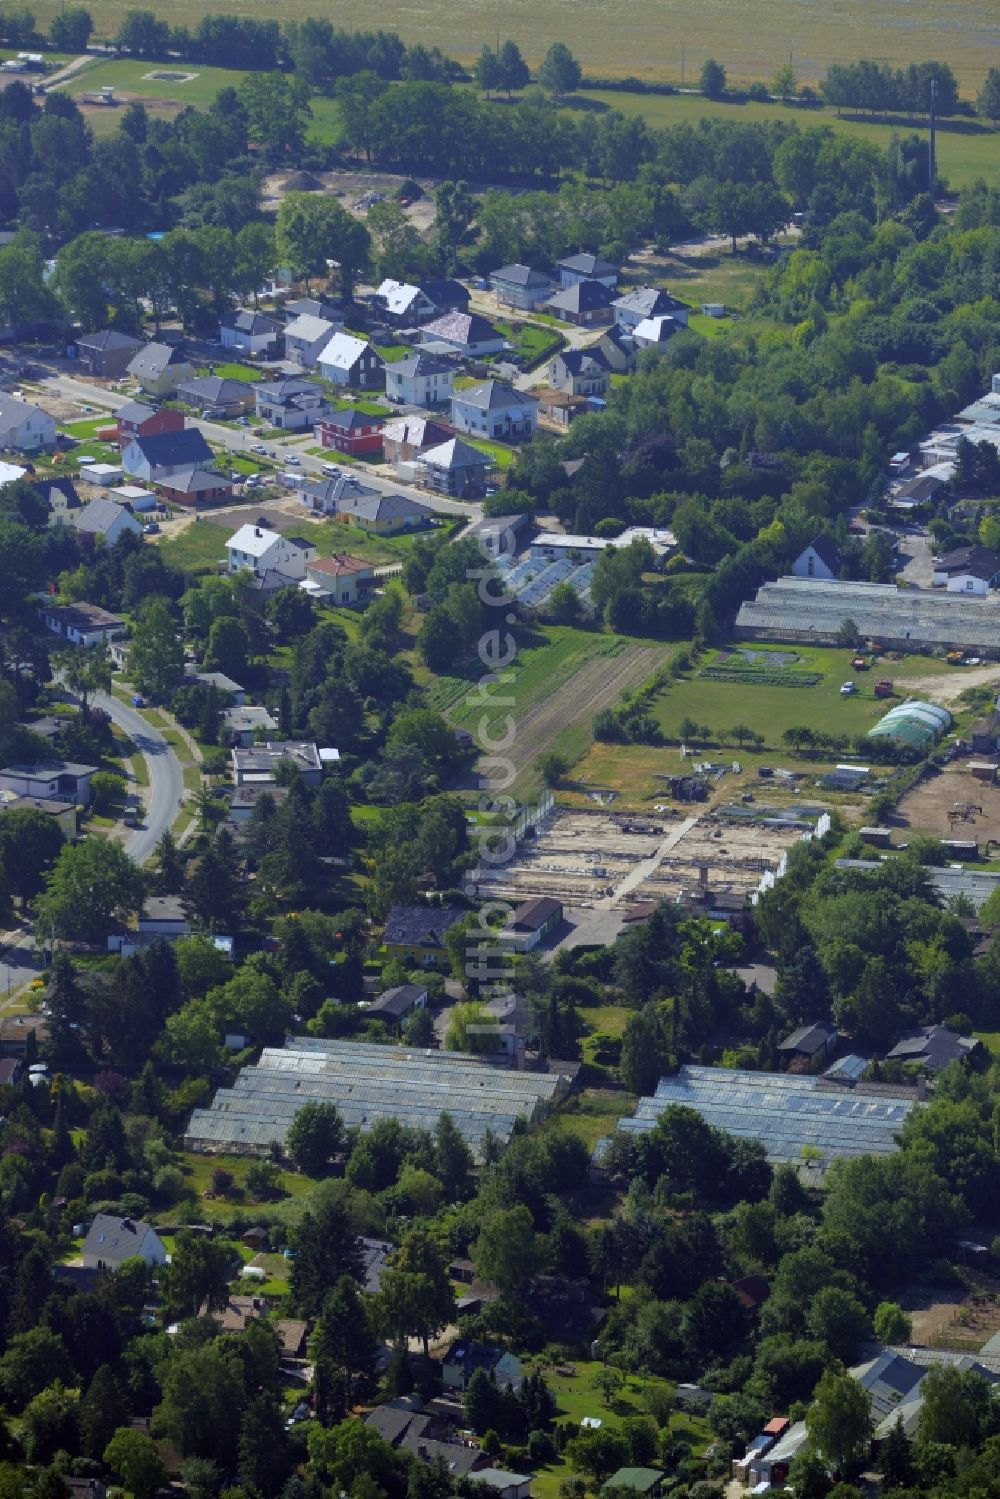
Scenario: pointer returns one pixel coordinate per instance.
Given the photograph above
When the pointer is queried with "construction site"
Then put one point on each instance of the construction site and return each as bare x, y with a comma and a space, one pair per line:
604, 859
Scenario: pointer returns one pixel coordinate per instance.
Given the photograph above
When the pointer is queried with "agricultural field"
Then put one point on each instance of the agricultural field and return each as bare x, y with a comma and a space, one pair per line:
752, 41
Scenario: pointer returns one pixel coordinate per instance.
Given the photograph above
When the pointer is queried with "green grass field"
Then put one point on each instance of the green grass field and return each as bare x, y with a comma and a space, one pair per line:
200, 545
498, 452
336, 536
244, 372
131, 76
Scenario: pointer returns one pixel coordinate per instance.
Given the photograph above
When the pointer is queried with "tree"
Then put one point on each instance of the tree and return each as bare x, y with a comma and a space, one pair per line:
988, 100
156, 655
134, 1457
955, 1408
198, 1274
228, 646
891, 1323
512, 69
712, 80
326, 1247
85, 671
291, 613
473, 1028
416, 1296
784, 83
30, 843
564, 604
277, 109
103, 1410
314, 1136
344, 1351
839, 1419
487, 70
92, 885
560, 73
69, 31
312, 230
507, 1251
644, 1054
49, 1423
552, 766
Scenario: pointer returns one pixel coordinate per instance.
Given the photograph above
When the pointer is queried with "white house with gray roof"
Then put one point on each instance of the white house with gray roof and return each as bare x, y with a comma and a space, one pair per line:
249, 332
420, 380
347, 360
495, 409
586, 267
112, 1240
292, 404
648, 302
305, 338
104, 518
24, 427
259, 550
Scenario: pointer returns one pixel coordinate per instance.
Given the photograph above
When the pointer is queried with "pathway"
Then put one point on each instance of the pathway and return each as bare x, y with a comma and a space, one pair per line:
648, 867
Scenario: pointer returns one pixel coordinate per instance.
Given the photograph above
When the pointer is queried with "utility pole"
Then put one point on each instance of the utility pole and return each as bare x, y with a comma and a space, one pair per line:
682, 64
932, 152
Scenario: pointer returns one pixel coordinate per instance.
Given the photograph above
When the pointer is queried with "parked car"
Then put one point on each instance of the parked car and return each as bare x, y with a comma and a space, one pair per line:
258, 447
848, 689
331, 470
293, 460
151, 528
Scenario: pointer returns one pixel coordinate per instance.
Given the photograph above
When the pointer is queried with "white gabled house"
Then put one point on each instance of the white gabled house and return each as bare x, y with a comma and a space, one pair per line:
347, 360
258, 550
23, 427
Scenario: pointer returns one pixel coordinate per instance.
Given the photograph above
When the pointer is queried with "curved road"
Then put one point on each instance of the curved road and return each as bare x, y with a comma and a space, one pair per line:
166, 783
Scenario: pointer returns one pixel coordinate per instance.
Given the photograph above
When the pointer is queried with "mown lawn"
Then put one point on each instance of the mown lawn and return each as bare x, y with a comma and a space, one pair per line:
593, 1114
89, 427
130, 76
336, 536
201, 544
498, 452
245, 372
197, 1172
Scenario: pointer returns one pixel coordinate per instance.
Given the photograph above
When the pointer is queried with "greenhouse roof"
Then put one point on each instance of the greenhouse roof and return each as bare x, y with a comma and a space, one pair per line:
790, 608
912, 722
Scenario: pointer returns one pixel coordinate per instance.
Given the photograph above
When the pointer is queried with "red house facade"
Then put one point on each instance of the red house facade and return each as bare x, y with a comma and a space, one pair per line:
351, 431
139, 420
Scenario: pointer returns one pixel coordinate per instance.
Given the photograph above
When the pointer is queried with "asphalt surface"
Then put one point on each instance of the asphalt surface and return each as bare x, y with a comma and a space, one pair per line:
166, 783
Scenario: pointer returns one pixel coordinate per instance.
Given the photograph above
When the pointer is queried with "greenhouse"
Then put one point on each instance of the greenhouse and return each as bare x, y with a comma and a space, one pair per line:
904, 619
913, 723
368, 1082
795, 1118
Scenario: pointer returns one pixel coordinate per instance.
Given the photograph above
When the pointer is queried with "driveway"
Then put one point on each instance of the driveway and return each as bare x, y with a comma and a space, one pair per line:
166, 783
915, 555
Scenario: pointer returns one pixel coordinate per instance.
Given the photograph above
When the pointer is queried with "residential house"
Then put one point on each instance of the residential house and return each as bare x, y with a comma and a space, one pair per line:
196, 486
326, 495
495, 409
396, 1004
406, 437
61, 497
374, 1262
341, 579
646, 1481
502, 1484
49, 780
403, 1424
420, 379
351, 431
465, 1356
971, 569
106, 353
573, 269
16, 1031
520, 286
105, 519
889, 1380
454, 468
63, 814
112, 1240
415, 935
634, 307
10, 1072
364, 506
585, 303
252, 334
153, 458
771, 1465
401, 305
446, 295
356, 362
24, 427
306, 337
159, 368
291, 404
933, 1047
580, 372
820, 559
163, 916
82, 624
260, 550
808, 1044
465, 333
219, 681
655, 332
558, 407
531, 922
257, 764
922, 487
244, 799
618, 347
241, 727
331, 312
217, 396
136, 419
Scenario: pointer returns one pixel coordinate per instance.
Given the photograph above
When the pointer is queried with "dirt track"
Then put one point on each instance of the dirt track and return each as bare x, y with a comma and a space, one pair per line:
597, 685
948, 688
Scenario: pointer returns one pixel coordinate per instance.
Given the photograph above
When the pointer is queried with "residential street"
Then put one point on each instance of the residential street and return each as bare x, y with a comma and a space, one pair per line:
166, 783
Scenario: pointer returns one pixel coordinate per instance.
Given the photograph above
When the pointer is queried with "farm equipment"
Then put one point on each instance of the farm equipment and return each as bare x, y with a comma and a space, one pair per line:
964, 812
955, 658
860, 663
883, 687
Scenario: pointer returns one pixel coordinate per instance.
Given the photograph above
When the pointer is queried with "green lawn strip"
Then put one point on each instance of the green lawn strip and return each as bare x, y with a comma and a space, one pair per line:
131, 75
192, 777
338, 536
89, 427
501, 455
367, 408
245, 372
991, 1040
330, 455
200, 545
140, 773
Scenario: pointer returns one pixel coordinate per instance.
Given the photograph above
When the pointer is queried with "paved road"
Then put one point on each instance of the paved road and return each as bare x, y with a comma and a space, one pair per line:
19, 962
918, 568
166, 783
241, 439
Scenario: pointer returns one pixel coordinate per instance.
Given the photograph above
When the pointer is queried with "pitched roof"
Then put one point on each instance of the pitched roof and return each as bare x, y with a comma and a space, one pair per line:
196, 480
934, 1045
495, 395
285, 388
978, 562
309, 328
445, 289
245, 320
155, 358
397, 1001
656, 328
374, 1259
350, 419
64, 486
344, 350
13, 410
253, 540
340, 565
583, 361
809, 1038
384, 507
520, 275
179, 448
420, 926
827, 551
82, 616
100, 515
417, 431
532, 914
888, 1379
462, 328
585, 264
419, 364
582, 296
214, 390
115, 1239
107, 338
649, 301
135, 411
455, 454
398, 296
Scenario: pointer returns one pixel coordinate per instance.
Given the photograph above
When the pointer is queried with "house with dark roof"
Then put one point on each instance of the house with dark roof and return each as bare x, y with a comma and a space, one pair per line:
495, 409
217, 395
421, 379
934, 1047
404, 438
60, 495
112, 1240
363, 506
580, 372
821, 559
573, 269
258, 763
82, 624
531, 922
105, 519
49, 780
396, 1004
971, 569
347, 360
618, 347
466, 333
465, 1356
645, 1481
351, 431
374, 1262
808, 1042
196, 486
584, 303
159, 368
136, 419
455, 468
106, 353
250, 333
520, 286
446, 295
634, 307
415, 934
292, 403
153, 458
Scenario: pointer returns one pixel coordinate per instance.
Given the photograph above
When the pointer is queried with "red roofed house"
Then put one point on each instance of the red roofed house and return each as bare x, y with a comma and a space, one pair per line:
341, 579
351, 431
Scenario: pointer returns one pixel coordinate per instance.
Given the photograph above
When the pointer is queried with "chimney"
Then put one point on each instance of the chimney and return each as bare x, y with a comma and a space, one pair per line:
257, 531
